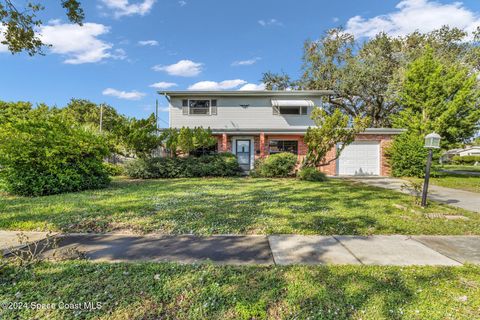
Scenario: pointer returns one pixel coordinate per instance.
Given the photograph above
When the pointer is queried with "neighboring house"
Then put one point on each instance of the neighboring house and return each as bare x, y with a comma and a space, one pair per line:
468, 151
255, 124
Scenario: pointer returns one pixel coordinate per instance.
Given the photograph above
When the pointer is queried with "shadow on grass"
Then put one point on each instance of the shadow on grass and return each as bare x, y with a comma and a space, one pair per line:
158, 291
223, 205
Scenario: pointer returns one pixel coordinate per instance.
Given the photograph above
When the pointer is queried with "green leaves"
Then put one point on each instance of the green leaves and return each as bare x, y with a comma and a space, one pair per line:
43, 152
187, 140
330, 131
440, 97
74, 11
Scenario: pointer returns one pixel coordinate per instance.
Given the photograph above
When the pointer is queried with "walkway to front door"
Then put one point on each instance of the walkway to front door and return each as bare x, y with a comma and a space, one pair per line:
243, 154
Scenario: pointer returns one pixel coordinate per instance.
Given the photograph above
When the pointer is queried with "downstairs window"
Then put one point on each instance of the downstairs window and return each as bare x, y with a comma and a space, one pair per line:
277, 146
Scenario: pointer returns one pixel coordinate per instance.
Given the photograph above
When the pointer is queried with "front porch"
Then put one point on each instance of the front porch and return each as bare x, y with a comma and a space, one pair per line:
365, 157
249, 147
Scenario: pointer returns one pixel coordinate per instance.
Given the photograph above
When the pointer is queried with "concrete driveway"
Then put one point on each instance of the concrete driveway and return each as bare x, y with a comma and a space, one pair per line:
453, 197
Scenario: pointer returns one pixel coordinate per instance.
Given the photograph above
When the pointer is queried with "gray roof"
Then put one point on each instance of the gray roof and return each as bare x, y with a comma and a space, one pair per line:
300, 130
248, 93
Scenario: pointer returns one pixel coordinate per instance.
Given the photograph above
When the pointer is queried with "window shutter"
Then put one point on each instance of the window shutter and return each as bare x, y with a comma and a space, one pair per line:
275, 110
213, 108
303, 110
185, 107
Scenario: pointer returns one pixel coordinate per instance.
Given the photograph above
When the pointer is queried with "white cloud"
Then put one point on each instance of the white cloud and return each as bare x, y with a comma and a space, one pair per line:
182, 3
79, 43
183, 68
248, 62
148, 43
212, 85
412, 15
270, 22
125, 8
335, 19
127, 95
252, 87
163, 85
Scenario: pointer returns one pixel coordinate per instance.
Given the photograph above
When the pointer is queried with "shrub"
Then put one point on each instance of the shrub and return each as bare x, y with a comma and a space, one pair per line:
276, 165
114, 169
218, 165
43, 153
311, 174
466, 160
407, 156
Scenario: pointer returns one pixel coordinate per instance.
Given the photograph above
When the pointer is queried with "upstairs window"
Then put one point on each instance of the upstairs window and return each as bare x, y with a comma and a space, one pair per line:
199, 107
293, 110
277, 146
291, 107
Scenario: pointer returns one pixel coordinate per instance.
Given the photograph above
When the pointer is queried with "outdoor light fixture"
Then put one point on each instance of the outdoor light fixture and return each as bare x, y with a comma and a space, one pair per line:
432, 141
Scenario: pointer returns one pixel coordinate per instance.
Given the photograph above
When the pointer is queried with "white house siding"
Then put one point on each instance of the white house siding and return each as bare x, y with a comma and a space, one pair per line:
230, 115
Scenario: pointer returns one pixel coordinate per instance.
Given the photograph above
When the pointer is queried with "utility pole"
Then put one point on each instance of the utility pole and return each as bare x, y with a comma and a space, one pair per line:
156, 115
101, 117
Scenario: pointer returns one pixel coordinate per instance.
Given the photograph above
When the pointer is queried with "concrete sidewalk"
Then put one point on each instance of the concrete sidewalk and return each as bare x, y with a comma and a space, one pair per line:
453, 197
10, 240
275, 249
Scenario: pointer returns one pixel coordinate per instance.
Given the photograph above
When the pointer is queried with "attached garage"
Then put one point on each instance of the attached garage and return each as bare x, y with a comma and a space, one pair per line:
360, 158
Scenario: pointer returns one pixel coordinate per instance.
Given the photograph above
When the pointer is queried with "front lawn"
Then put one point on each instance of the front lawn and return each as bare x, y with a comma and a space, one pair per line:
234, 206
454, 181
455, 167
172, 291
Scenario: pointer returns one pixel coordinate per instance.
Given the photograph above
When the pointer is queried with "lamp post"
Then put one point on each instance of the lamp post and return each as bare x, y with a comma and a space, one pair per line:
432, 141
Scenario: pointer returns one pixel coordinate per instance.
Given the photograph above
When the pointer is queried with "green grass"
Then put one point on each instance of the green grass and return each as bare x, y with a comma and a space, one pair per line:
233, 206
454, 181
461, 168
172, 291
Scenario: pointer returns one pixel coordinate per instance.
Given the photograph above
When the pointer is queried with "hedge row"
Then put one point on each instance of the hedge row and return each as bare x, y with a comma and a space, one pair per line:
218, 165
465, 159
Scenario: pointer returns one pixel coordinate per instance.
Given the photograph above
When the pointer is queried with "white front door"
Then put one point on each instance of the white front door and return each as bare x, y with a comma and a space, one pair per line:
243, 153
360, 158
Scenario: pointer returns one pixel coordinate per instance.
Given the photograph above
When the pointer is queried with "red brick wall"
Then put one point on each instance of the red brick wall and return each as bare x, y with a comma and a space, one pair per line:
331, 168
225, 145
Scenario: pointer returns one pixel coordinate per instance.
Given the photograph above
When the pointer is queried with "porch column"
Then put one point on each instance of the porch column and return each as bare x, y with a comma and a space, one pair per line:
224, 142
262, 145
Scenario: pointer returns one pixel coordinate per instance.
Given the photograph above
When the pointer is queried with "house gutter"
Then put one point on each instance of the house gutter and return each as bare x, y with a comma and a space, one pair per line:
369, 131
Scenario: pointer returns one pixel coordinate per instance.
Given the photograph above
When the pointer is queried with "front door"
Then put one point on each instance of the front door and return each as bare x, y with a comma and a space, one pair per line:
243, 154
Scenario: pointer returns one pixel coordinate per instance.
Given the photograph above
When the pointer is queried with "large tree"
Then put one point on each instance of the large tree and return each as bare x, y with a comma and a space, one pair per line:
440, 97
114, 126
362, 72
19, 26
359, 74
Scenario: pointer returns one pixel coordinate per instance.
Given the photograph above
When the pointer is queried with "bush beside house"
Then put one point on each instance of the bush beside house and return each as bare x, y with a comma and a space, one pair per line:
311, 174
218, 165
407, 155
469, 160
276, 165
42, 152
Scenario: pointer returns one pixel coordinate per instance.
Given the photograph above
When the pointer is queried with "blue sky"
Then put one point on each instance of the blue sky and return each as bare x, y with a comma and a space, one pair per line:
128, 48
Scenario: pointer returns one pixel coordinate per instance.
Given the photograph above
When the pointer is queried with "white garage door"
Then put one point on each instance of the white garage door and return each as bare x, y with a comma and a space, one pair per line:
360, 158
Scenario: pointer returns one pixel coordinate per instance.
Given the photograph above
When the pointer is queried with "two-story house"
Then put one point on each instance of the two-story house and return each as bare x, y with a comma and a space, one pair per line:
255, 124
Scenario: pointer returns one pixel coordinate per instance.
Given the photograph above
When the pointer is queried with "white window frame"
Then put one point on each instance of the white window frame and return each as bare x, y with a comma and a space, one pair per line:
196, 114
292, 114
274, 139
